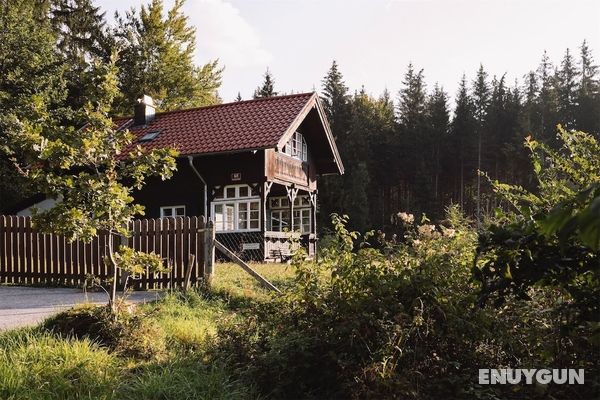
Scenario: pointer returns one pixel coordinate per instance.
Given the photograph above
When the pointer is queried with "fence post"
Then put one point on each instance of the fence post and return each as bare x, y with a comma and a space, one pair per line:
209, 250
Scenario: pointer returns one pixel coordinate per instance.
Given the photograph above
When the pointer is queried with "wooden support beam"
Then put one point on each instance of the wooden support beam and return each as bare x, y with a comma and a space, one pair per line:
245, 266
209, 251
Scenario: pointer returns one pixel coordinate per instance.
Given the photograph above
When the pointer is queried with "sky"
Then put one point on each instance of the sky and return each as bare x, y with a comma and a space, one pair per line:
373, 41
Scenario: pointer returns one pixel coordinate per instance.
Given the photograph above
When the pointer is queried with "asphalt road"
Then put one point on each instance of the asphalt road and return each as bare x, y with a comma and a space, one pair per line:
22, 306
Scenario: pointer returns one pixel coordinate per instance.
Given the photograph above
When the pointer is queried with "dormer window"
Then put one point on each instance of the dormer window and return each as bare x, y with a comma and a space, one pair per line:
296, 147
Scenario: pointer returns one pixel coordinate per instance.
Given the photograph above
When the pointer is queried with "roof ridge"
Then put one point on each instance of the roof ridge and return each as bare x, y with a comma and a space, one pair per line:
231, 103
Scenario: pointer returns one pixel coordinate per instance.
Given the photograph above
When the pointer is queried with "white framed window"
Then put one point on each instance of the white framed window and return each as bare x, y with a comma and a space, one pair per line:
280, 220
302, 220
236, 209
279, 208
172, 211
296, 147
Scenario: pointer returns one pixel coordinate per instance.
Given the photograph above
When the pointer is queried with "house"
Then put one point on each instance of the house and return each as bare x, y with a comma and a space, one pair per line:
250, 166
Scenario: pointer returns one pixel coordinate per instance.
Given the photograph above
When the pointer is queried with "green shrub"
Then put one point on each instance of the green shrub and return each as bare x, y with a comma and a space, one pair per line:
126, 331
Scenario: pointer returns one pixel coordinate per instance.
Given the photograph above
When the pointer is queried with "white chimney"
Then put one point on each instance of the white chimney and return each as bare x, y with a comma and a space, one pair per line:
144, 110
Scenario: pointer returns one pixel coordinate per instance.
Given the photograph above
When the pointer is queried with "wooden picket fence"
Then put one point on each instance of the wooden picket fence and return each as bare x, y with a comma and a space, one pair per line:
30, 257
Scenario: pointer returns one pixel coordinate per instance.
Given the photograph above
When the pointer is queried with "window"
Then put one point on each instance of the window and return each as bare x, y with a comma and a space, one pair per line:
280, 220
236, 209
172, 211
149, 136
296, 147
280, 214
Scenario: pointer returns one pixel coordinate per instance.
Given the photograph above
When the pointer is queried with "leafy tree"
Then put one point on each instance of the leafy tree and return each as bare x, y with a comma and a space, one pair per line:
551, 237
92, 172
31, 88
267, 89
156, 59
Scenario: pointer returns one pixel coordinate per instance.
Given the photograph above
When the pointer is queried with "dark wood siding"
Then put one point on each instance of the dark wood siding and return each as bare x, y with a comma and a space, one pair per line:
184, 188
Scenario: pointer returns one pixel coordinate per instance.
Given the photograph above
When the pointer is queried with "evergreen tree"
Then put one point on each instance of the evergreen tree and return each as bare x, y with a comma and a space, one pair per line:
336, 102
82, 36
532, 111
566, 90
157, 59
481, 99
588, 93
267, 89
31, 87
238, 97
464, 140
411, 130
438, 121
547, 100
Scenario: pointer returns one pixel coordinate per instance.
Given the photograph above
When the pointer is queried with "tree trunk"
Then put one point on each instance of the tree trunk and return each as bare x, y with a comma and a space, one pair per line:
113, 288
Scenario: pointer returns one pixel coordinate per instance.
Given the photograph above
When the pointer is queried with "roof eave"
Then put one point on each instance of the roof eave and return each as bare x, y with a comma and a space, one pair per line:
313, 101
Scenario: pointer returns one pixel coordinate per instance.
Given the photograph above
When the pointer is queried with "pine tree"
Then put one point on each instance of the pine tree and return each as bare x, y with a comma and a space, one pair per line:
588, 93
566, 90
437, 120
464, 139
157, 60
82, 36
481, 99
532, 111
337, 109
547, 100
411, 130
267, 89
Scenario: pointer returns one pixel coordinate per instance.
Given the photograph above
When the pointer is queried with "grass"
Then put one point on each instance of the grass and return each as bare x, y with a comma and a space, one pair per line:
38, 364
231, 281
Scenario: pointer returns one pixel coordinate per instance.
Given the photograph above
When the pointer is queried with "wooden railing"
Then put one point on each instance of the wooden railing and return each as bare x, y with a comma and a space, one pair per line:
30, 257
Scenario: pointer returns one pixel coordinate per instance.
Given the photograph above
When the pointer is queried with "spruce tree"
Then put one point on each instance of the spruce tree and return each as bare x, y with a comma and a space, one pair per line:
267, 89
588, 93
481, 99
336, 103
566, 89
82, 36
547, 100
464, 139
411, 130
438, 120
157, 59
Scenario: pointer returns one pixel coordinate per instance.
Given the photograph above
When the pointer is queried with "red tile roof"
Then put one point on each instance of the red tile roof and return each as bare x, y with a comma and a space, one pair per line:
230, 127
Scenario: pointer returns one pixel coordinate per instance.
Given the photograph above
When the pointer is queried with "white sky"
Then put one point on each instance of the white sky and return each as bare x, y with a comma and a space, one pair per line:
374, 40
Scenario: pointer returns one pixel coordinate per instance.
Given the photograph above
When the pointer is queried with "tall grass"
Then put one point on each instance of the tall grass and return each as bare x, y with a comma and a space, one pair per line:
36, 365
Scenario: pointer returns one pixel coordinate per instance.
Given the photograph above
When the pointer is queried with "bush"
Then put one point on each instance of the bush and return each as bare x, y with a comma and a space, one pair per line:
125, 332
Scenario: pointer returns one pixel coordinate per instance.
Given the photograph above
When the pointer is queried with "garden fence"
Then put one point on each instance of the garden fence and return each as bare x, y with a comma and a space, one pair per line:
28, 256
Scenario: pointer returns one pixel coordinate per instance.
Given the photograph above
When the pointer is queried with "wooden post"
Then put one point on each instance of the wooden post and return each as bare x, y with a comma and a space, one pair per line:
188, 272
245, 266
209, 251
